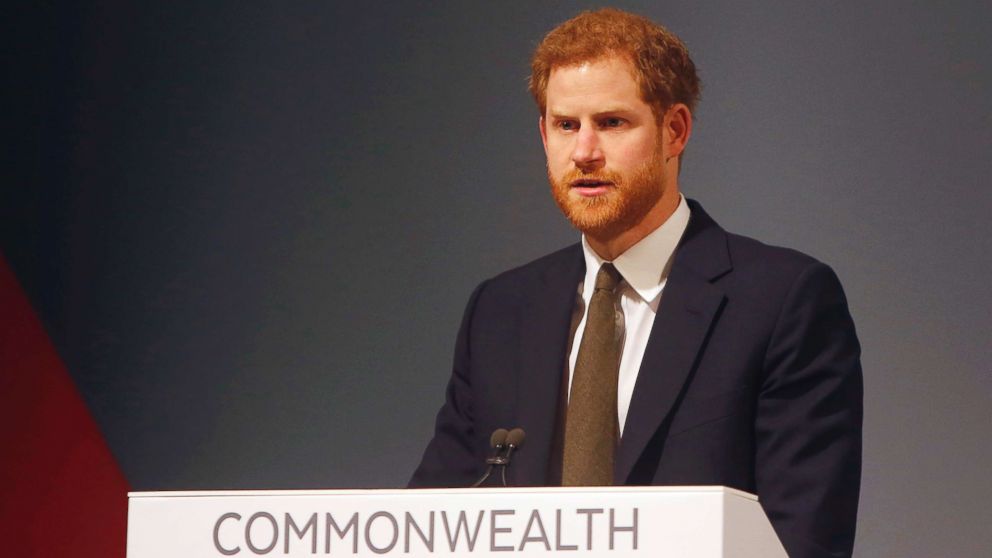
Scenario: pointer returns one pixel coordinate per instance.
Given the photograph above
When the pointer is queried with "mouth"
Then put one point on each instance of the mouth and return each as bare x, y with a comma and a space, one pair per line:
589, 187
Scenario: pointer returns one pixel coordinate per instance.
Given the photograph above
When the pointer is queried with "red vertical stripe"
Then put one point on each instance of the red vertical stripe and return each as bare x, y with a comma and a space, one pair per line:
61, 492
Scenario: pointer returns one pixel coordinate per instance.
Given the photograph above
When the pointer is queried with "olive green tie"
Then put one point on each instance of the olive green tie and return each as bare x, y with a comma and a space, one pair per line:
591, 429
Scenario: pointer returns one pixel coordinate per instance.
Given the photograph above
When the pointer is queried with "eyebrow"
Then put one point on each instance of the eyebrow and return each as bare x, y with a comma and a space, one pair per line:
598, 114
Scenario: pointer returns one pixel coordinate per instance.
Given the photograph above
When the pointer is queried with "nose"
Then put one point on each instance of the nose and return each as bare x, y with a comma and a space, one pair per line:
587, 152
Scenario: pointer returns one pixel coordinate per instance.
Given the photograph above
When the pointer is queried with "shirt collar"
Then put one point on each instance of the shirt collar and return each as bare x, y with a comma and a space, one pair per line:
644, 265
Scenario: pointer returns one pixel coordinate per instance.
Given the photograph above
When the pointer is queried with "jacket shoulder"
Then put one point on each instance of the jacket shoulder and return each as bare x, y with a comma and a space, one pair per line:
559, 262
773, 274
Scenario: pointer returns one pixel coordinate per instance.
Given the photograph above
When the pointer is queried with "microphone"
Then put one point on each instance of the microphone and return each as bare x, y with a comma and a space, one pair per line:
514, 440
497, 441
504, 444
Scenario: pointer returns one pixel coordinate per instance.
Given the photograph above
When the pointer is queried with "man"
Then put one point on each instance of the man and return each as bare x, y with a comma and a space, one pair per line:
661, 350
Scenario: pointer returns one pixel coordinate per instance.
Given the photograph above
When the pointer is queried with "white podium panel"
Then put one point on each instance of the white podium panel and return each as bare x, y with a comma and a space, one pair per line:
683, 522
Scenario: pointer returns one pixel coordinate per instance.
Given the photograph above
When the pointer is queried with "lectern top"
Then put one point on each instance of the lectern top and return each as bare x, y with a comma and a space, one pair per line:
438, 491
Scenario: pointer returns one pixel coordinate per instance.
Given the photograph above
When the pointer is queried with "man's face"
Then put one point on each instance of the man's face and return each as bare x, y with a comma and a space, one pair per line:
604, 148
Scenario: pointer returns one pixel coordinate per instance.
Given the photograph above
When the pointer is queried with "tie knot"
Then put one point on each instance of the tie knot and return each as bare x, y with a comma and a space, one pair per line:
608, 278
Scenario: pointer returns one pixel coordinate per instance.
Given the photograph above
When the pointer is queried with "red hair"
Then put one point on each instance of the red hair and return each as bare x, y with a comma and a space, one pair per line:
660, 61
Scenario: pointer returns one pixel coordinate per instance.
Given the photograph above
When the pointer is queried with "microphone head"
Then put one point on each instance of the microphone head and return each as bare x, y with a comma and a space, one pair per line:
498, 438
515, 437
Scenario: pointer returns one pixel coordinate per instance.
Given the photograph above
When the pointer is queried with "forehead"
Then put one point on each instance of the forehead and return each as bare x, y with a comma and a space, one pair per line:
593, 84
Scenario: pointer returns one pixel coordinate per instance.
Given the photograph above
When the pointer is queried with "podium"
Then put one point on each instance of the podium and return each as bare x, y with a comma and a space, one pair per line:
683, 522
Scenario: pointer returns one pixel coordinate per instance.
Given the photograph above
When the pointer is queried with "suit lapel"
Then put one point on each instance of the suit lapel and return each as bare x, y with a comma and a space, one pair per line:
545, 316
689, 305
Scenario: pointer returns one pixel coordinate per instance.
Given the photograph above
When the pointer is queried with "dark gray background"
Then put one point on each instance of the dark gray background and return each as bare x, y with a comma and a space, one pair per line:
250, 228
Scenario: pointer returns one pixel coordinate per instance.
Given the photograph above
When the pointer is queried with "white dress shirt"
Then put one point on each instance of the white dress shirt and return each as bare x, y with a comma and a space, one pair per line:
644, 267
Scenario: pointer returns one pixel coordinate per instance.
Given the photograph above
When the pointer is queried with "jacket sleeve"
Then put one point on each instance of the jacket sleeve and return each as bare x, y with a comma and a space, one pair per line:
453, 458
808, 421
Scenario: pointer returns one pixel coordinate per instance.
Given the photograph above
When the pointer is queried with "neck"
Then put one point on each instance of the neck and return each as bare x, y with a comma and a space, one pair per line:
609, 247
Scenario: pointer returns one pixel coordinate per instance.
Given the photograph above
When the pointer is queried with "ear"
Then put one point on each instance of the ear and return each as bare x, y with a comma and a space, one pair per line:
544, 134
677, 127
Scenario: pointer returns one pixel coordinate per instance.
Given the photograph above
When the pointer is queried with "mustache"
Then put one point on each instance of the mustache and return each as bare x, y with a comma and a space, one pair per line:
577, 175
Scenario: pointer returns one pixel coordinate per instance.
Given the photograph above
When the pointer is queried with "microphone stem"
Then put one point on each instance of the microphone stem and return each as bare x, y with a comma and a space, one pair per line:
506, 462
489, 471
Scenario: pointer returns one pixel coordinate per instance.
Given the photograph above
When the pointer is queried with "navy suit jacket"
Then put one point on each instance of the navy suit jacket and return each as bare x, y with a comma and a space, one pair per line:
751, 379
